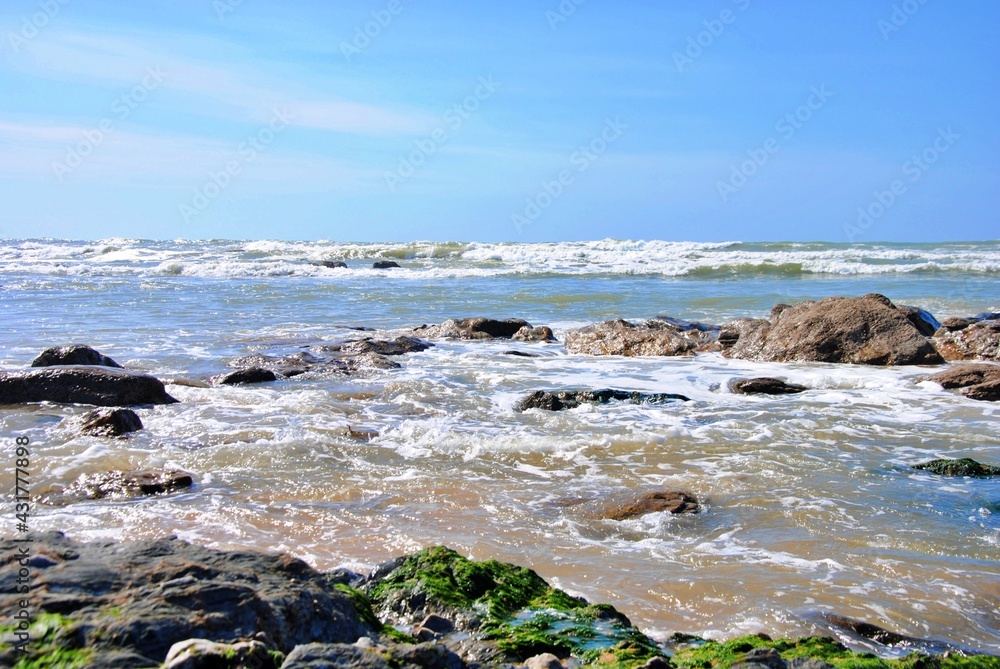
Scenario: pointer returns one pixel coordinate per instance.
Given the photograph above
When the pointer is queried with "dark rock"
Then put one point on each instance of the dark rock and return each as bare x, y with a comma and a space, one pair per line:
960, 467
975, 381
625, 505
74, 354
979, 341
204, 654
367, 362
110, 422
543, 661
765, 657
522, 354
425, 656
397, 346
808, 663
330, 264
122, 485
620, 337
385, 264
436, 625
570, 399
867, 330
246, 376
333, 656
954, 324
145, 596
680, 325
764, 386
925, 323
541, 333
872, 632
476, 328
361, 434
80, 384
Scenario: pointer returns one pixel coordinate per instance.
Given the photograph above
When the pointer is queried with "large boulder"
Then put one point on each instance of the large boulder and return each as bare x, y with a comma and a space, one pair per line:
570, 399
145, 596
975, 381
74, 354
976, 341
620, 337
82, 384
475, 328
866, 330
246, 376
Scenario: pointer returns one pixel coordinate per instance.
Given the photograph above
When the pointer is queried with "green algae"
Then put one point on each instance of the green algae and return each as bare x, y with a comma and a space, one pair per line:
51, 645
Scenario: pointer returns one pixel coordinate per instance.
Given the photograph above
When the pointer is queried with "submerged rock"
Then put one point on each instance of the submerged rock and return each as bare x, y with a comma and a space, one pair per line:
385, 264
570, 399
620, 337
74, 354
477, 328
246, 376
867, 330
960, 467
624, 506
330, 264
123, 485
82, 384
977, 341
397, 346
764, 386
110, 422
975, 381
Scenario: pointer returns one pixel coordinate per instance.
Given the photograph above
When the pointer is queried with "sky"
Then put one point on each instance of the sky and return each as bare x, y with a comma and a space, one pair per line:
544, 120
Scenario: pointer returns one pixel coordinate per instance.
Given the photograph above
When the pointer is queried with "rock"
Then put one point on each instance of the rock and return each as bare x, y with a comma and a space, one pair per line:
123, 485
476, 328
110, 422
925, 323
620, 337
975, 381
368, 362
332, 359
746, 335
954, 325
808, 663
246, 376
680, 325
74, 354
204, 654
330, 264
764, 657
625, 505
764, 386
333, 656
543, 661
397, 346
361, 434
960, 467
385, 264
978, 341
425, 656
541, 333
145, 596
658, 663
80, 384
433, 627
866, 330
570, 399
875, 633
522, 354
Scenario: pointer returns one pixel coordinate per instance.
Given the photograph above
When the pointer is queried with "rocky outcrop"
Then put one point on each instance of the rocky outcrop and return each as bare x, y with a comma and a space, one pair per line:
866, 330
961, 467
976, 341
397, 346
110, 422
624, 506
975, 381
475, 328
245, 376
620, 337
122, 485
74, 354
385, 264
82, 384
570, 399
764, 385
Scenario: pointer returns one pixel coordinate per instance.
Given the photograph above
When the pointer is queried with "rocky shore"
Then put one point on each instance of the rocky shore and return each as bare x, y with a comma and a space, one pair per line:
166, 603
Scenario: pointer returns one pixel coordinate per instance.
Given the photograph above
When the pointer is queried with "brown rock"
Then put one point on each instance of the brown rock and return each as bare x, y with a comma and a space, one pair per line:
963, 376
866, 330
744, 337
671, 501
541, 333
620, 337
764, 386
122, 485
977, 341
984, 392
110, 422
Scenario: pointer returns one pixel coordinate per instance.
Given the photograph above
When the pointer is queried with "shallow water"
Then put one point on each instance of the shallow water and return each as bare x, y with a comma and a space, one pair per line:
810, 502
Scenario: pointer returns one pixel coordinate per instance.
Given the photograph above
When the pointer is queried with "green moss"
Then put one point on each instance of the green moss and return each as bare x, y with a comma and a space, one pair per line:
52, 645
362, 605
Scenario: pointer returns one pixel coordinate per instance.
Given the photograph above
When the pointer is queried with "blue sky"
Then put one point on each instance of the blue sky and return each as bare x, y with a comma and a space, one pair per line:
516, 121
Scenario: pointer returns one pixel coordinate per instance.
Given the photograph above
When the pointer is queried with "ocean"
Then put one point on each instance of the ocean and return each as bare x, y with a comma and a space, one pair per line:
810, 504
